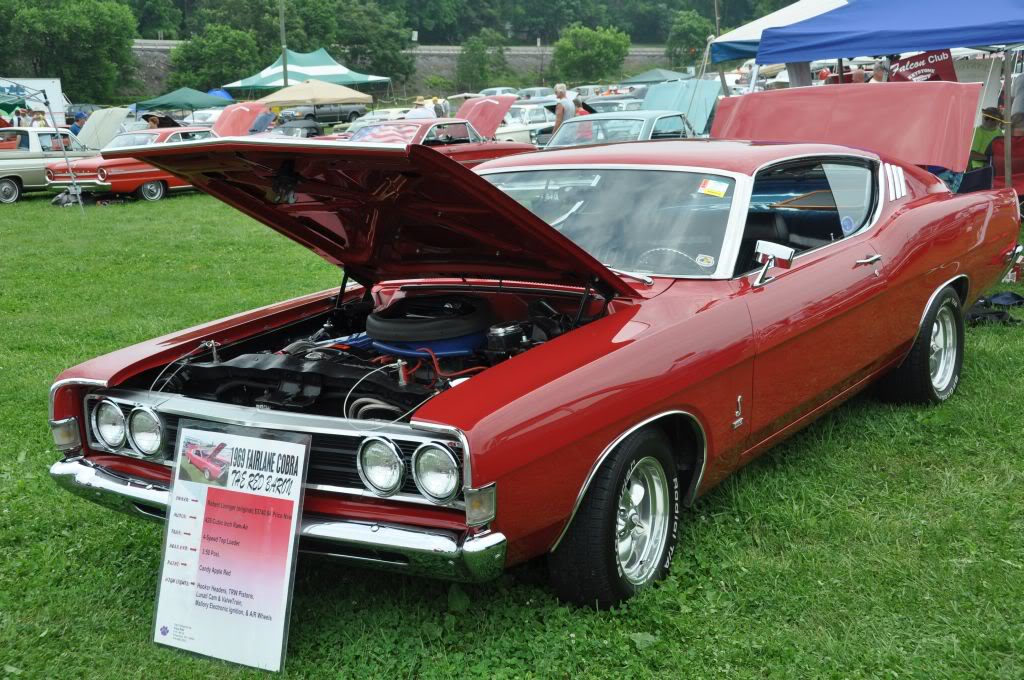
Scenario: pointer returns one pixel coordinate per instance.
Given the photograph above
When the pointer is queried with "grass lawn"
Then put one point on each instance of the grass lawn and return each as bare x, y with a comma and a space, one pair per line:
881, 542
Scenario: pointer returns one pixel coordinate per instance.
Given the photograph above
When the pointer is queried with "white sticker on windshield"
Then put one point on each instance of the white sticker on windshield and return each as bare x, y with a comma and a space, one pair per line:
713, 188
705, 261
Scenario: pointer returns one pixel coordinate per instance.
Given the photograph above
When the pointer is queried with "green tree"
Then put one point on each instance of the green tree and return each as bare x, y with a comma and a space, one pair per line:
372, 40
157, 18
688, 37
481, 61
217, 56
590, 54
85, 43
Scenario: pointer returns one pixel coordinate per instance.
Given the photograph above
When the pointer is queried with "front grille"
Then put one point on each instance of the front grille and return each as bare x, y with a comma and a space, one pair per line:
332, 457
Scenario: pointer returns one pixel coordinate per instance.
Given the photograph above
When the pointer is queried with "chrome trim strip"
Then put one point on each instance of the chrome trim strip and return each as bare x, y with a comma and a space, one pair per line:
430, 552
892, 182
931, 299
60, 384
690, 494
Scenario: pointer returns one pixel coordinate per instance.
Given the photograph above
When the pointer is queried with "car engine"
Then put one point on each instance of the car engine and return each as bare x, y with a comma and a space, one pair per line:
379, 365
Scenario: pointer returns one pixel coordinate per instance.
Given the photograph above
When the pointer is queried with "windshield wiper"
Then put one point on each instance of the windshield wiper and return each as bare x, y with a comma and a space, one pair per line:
647, 280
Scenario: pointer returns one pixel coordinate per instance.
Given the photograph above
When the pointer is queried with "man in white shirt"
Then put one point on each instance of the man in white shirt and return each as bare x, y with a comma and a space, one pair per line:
422, 109
565, 109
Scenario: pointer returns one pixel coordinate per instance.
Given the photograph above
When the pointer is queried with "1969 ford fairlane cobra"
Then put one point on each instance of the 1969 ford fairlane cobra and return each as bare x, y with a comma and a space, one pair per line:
554, 353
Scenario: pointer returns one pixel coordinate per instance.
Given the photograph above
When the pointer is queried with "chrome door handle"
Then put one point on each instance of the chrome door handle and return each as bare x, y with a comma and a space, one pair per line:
871, 259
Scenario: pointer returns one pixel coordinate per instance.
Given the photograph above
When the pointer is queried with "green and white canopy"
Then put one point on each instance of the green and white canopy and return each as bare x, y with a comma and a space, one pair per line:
304, 66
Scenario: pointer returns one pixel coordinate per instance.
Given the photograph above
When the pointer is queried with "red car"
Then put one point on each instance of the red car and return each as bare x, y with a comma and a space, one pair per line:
553, 354
99, 175
467, 138
213, 463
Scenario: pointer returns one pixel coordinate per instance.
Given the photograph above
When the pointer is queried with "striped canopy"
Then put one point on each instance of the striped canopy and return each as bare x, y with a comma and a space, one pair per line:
304, 66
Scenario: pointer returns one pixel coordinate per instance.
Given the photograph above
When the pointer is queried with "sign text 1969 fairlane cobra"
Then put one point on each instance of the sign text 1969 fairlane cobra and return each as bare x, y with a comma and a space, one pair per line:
552, 353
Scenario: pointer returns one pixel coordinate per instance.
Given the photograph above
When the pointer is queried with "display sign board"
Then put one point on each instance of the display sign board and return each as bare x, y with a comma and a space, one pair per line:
937, 65
230, 543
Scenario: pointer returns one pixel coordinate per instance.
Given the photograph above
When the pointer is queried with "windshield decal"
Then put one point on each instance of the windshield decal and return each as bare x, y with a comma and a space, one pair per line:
713, 187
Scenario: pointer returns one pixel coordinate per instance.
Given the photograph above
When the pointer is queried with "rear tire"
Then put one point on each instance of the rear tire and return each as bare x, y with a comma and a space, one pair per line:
624, 534
931, 372
352, 117
152, 191
206, 474
10, 190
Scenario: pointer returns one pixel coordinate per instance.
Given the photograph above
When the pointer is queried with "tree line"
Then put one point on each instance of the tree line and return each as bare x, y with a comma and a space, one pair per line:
87, 43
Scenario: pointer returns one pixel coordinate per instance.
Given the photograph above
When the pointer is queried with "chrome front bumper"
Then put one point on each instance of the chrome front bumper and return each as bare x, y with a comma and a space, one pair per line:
428, 552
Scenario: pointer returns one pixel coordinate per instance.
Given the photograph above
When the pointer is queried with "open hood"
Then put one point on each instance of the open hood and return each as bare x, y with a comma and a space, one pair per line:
239, 119
101, 127
928, 123
485, 114
382, 211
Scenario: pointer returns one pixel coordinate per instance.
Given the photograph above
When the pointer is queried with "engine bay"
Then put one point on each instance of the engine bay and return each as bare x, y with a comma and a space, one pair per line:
379, 364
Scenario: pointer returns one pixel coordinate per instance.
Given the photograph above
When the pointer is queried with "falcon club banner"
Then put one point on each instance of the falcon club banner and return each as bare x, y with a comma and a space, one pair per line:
937, 65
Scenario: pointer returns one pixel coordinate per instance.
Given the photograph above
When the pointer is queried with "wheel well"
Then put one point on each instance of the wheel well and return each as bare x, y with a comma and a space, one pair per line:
17, 180
962, 287
689, 448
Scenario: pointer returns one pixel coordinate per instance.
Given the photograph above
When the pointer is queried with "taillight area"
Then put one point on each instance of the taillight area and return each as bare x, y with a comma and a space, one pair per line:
102, 174
49, 175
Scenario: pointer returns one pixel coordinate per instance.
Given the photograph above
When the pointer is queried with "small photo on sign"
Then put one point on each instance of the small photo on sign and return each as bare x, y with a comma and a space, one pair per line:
205, 461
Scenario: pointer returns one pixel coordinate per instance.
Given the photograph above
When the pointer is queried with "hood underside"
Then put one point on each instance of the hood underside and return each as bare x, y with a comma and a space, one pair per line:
382, 211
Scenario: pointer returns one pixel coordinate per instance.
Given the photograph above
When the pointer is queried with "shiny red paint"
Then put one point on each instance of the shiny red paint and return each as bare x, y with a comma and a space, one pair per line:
538, 423
927, 123
486, 114
237, 119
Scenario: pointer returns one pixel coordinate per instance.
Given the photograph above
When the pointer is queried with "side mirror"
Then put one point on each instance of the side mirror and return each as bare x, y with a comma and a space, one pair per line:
769, 255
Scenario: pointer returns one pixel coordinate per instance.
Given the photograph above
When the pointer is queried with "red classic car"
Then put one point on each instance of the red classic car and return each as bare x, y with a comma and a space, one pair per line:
123, 175
554, 353
213, 463
466, 138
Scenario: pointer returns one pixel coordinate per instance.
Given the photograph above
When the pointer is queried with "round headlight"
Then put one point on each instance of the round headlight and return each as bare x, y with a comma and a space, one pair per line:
380, 466
436, 472
145, 431
108, 422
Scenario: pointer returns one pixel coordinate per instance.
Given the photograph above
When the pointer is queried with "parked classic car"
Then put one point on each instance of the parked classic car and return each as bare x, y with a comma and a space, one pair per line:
214, 462
525, 122
25, 152
634, 126
486, 391
99, 175
535, 92
467, 138
298, 128
491, 91
325, 113
610, 105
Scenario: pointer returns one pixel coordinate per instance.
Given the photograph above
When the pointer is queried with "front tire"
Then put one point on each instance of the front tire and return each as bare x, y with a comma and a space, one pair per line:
152, 191
206, 474
10, 190
931, 372
624, 534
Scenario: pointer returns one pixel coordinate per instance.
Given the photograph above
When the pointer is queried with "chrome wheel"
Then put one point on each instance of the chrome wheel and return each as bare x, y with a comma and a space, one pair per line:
152, 191
942, 353
641, 525
9, 191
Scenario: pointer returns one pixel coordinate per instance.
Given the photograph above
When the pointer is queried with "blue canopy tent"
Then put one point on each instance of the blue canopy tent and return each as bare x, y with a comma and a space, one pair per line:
875, 27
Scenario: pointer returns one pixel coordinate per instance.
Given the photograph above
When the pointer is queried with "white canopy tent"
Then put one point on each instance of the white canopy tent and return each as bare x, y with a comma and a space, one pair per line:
742, 43
316, 93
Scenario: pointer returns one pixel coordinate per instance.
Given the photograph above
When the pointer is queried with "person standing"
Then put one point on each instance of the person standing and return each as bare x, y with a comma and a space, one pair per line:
438, 109
565, 110
877, 73
420, 110
983, 136
39, 120
76, 127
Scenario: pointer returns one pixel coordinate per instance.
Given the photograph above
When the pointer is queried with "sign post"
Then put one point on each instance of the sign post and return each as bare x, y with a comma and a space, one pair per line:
230, 543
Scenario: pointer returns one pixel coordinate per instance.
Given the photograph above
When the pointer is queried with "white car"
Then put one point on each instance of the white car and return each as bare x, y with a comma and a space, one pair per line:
492, 91
524, 122
378, 115
203, 117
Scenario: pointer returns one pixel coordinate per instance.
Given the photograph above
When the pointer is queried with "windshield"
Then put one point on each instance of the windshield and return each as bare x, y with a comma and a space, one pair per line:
133, 139
660, 222
398, 134
579, 131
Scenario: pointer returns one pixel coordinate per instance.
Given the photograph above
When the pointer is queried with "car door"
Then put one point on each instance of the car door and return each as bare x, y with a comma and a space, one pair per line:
817, 326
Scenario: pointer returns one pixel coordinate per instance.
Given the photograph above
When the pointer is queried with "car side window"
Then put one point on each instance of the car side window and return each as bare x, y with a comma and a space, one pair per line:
14, 140
807, 205
50, 142
668, 127
176, 137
